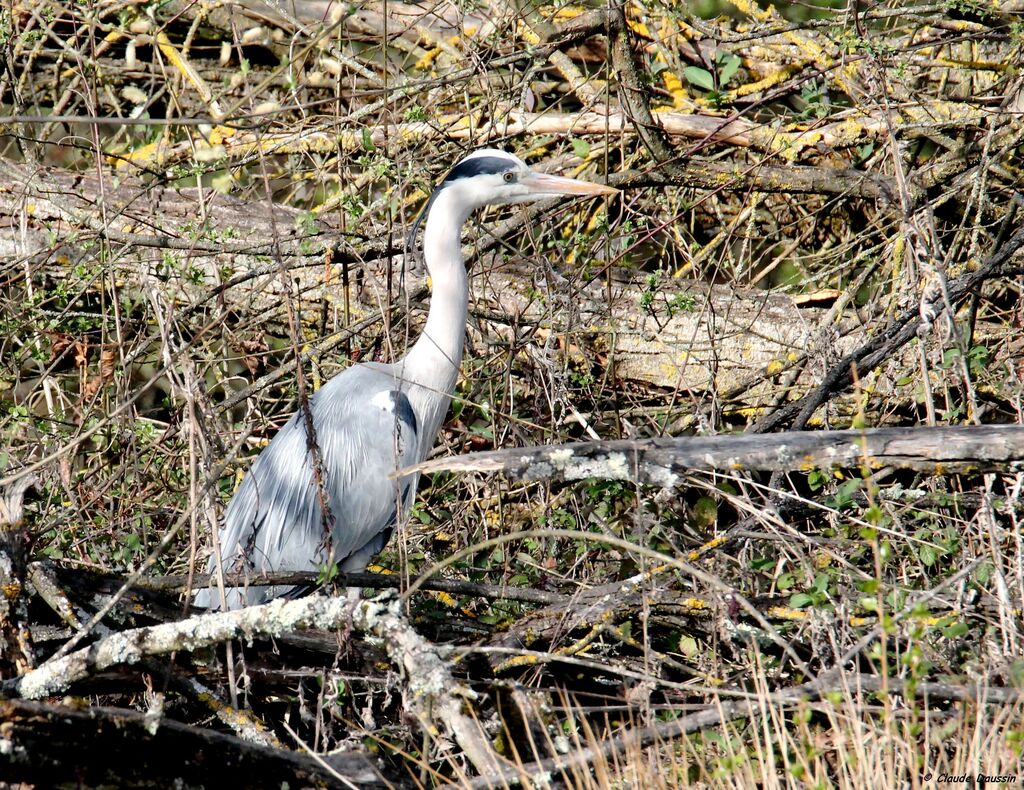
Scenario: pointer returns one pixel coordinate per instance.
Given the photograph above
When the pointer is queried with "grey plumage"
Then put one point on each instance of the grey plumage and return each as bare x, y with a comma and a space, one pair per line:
357, 457
371, 419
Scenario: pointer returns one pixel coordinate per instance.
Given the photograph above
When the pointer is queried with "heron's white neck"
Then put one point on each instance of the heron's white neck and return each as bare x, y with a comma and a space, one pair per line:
433, 361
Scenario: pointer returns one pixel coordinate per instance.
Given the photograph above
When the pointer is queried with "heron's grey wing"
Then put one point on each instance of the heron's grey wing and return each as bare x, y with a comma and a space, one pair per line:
365, 429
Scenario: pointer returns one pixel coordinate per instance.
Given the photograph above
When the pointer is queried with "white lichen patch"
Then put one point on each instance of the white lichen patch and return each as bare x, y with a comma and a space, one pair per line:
123, 650
278, 617
610, 467
8, 748
617, 465
561, 457
661, 476
540, 471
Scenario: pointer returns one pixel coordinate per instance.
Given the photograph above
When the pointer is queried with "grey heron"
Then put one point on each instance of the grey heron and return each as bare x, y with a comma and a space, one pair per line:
372, 418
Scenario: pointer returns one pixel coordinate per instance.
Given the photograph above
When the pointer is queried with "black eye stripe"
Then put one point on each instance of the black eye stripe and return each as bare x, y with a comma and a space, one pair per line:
478, 165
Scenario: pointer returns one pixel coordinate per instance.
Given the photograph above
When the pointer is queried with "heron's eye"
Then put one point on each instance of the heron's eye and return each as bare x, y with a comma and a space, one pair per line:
509, 177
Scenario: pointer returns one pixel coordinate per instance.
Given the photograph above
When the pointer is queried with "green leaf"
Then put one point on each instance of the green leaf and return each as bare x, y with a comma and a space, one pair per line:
869, 586
728, 64
688, 646
922, 612
581, 148
368, 140
415, 113
327, 573
800, 600
1017, 677
705, 512
699, 77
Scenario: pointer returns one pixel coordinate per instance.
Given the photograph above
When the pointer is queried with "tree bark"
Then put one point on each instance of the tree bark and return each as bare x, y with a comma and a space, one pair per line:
664, 461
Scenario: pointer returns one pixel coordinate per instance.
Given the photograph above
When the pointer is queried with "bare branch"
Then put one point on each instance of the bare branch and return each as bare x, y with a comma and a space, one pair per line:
664, 461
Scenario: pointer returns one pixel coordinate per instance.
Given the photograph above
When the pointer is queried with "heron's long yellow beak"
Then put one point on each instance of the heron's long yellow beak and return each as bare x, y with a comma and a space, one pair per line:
546, 184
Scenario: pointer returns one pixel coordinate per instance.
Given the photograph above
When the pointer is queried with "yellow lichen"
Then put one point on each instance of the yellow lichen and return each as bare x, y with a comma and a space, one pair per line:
787, 613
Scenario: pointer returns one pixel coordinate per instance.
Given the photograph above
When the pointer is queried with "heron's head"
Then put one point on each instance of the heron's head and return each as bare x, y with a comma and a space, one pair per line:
490, 177
493, 177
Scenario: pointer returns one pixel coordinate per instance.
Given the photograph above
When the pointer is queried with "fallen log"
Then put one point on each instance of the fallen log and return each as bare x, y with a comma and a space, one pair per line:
982, 448
670, 332
432, 695
48, 745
